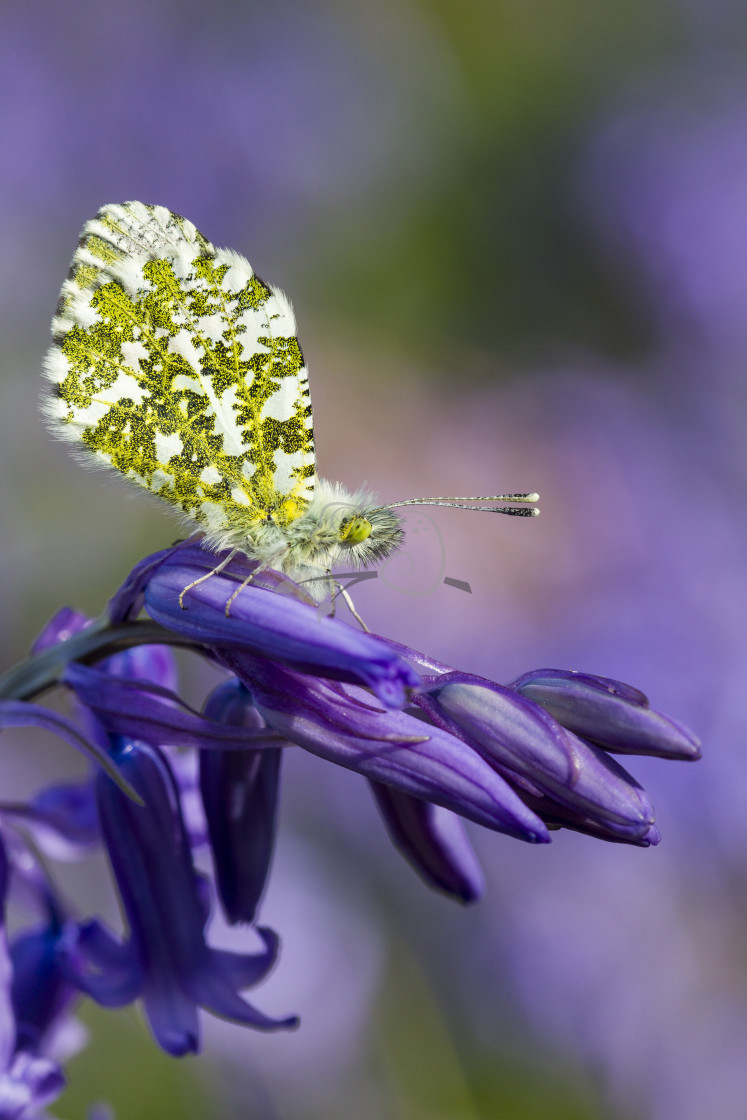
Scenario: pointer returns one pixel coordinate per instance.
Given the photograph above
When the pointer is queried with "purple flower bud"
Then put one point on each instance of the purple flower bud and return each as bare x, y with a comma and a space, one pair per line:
433, 841
608, 712
345, 726
537, 755
239, 794
556, 815
275, 626
128, 600
59, 628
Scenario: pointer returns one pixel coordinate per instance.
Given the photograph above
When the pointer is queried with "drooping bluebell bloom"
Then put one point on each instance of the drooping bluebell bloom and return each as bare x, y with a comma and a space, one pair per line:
173, 968
240, 796
36, 1001
166, 959
279, 627
435, 744
545, 763
609, 713
433, 841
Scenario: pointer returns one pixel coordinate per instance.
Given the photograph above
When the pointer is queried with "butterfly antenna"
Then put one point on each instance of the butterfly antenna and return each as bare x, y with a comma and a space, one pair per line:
461, 503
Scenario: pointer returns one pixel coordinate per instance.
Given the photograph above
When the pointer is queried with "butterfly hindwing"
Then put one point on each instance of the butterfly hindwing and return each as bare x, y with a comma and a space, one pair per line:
174, 363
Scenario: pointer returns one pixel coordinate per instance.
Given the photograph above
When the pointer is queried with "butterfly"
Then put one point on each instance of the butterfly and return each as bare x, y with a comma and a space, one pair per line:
175, 364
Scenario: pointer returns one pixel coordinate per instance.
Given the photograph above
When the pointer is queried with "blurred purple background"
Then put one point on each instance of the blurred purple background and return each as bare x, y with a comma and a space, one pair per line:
515, 235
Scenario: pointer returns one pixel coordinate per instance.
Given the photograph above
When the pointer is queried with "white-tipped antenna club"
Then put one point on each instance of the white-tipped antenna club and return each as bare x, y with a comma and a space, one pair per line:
461, 503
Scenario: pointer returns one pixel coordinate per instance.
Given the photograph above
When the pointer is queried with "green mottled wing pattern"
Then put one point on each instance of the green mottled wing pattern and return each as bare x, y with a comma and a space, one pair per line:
175, 364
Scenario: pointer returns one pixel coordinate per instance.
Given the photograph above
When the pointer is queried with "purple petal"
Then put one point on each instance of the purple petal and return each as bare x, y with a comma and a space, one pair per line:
243, 970
557, 815
215, 988
154, 664
442, 769
132, 709
40, 991
7, 1017
220, 999
97, 963
64, 815
19, 713
608, 712
149, 850
28, 1086
60, 627
276, 626
173, 1017
239, 794
128, 601
433, 841
536, 754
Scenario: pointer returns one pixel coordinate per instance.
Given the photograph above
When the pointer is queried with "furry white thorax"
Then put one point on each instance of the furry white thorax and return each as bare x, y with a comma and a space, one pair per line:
310, 546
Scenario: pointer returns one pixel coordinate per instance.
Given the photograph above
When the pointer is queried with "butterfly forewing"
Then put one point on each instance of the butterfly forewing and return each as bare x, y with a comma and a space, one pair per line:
174, 363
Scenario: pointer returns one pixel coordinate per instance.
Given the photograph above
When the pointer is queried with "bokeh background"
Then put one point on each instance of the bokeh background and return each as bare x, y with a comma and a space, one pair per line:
515, 234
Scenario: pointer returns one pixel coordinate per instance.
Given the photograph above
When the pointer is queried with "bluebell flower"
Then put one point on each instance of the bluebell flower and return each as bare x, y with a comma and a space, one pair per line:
62, 818
274, 626
36, 1003
240, 797
436, 746
168, 959
433, 841
607, 712
545, 763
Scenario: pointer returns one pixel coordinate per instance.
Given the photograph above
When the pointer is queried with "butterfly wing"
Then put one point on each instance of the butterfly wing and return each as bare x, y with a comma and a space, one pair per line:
175, 364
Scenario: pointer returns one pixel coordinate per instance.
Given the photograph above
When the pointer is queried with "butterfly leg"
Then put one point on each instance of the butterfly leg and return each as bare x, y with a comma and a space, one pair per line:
214, 571
263, 567
244, 584
349, 601
338, 589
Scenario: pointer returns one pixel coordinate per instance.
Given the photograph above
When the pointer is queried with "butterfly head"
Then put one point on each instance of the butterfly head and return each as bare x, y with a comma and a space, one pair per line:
343, 529
355, 529
340, 529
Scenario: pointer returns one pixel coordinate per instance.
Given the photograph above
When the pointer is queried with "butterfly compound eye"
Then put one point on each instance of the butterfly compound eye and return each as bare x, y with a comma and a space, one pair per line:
353, 530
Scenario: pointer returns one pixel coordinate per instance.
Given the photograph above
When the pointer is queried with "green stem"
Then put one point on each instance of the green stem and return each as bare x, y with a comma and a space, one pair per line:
43, 671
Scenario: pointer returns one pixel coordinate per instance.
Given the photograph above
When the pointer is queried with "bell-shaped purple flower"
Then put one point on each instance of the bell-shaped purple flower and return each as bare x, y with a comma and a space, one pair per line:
268, 624
62, 818
162, 897
240, 794
35, 1006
